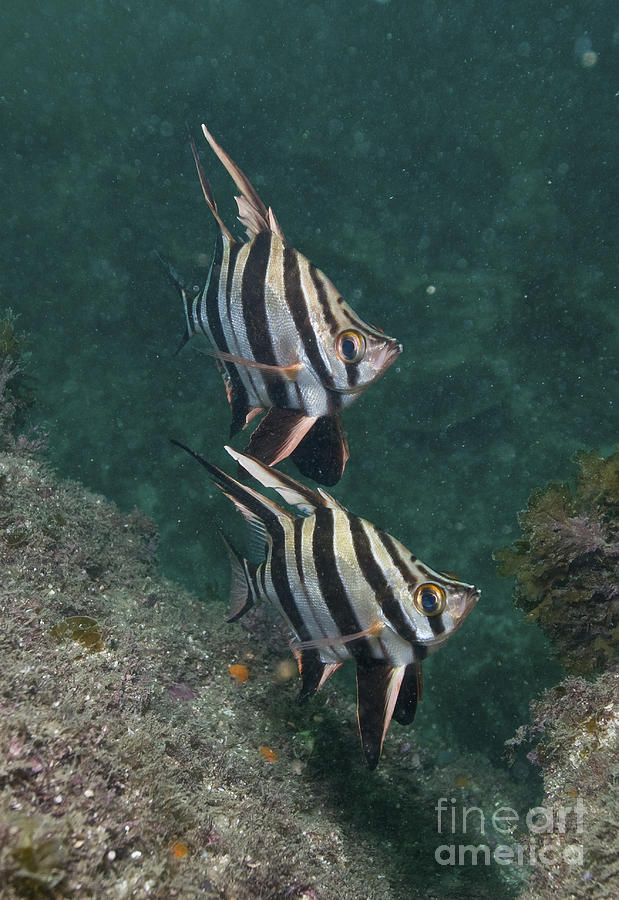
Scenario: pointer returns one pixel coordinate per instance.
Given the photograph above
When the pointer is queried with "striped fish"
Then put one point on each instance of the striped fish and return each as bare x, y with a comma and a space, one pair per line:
285, 339
347, 589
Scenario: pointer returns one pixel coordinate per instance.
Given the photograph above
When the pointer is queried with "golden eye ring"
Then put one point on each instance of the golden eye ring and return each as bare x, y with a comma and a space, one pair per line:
350, 346
429, 599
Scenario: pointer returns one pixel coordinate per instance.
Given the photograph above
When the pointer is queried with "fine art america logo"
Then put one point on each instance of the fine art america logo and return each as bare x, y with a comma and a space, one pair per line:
452, 820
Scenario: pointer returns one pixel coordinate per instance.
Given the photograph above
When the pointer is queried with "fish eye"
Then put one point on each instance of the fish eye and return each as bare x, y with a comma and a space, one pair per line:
350, 346
429, 599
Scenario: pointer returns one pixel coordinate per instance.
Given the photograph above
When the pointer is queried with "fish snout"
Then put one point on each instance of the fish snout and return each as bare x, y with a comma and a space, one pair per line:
471, 599
387, 355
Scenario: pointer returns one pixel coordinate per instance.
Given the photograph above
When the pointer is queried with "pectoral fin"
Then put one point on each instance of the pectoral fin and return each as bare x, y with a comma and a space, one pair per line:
330, 642
289, 372
378, 686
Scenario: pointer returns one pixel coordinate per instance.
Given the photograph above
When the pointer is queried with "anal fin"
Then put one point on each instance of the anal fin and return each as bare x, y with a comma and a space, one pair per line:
411, 692
378, 686
277, 435
323, 452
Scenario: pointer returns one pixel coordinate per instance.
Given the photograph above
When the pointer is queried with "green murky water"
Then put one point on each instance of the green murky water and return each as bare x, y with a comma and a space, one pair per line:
451, 166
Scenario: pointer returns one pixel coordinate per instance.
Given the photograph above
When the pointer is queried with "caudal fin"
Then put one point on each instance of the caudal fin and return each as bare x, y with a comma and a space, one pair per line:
187, 301
242, 583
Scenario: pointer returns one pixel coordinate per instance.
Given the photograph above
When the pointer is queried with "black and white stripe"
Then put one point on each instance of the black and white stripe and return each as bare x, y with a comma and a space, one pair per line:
265, 302
334, 575
346, 589
340, 582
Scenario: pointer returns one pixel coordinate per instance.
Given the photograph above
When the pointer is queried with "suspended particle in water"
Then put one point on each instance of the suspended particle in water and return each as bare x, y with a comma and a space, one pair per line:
583, 48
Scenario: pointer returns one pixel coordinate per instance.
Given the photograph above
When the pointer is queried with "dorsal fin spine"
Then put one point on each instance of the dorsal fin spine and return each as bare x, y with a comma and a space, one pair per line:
292, 491
248, 501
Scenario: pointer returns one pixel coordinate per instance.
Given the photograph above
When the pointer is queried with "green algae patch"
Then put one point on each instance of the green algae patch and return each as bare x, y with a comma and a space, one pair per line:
38, 855
83, 630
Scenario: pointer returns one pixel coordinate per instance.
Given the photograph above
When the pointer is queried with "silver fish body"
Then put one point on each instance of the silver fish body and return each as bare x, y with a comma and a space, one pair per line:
285, 339
347, 590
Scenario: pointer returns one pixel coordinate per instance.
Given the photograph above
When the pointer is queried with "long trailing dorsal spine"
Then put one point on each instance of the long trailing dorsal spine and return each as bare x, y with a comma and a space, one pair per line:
253, 214
206, 188
291, 490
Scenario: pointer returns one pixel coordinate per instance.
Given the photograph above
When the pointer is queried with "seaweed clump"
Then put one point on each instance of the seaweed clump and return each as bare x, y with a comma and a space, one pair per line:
567, 580
14, 395
567, 564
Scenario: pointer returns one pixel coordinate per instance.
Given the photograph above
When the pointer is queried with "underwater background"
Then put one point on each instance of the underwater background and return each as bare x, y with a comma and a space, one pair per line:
450, 166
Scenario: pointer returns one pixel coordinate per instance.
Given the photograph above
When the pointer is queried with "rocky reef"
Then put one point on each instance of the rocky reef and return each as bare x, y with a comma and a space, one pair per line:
572, 740
149, 750
567, 580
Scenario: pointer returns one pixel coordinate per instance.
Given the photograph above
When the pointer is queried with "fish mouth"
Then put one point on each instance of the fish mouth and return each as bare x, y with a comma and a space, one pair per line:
458, 612
386, 357
467, 604
462, 608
